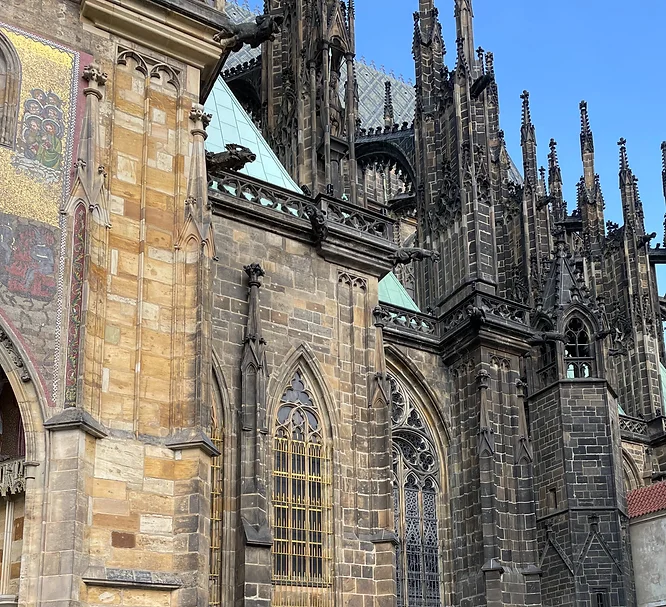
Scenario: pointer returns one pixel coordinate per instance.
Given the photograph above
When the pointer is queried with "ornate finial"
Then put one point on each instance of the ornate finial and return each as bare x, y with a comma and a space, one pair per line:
553, 151
586, 139
624, 161
480, 53
542, 173
389, 114
490, 64
527, 116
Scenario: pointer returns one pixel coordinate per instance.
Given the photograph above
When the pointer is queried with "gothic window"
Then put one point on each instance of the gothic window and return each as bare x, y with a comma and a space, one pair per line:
301, 500
10, 88
415, 490
578, 353
216, 506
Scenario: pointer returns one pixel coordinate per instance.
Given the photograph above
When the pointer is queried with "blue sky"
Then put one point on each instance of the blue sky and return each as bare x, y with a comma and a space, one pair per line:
610, 53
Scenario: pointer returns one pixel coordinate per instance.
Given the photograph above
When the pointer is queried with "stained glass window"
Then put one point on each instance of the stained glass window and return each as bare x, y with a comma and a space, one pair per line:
415, 489
301, 501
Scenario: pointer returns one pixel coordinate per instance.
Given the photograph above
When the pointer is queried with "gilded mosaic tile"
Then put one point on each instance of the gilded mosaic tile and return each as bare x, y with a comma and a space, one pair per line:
35, 174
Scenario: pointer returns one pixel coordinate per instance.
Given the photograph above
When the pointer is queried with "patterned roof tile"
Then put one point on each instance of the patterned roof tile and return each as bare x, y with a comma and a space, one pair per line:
647, 500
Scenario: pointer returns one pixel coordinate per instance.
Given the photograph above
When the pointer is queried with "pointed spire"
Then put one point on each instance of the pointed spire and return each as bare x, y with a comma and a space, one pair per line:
626, 175
555, 183
465, 29
663, 179
527, 128
389, 114
663, 165
624, 160
586, 139
528, 143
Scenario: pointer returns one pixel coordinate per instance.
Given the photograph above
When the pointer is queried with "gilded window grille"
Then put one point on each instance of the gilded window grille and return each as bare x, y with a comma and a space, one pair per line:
301, 504
216, 505
415, 494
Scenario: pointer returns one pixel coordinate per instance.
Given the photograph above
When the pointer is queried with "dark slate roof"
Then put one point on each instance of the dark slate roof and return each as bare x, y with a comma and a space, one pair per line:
647, 500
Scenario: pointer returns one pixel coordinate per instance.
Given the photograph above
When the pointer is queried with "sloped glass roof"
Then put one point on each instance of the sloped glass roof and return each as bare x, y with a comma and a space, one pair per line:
231, 124
392, 292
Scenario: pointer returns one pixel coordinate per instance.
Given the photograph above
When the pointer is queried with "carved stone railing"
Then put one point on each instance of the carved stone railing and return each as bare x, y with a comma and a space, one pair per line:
505, 310
12, 477
482, 308
294, 205
406, 320
352, 216
633, 426
254, 192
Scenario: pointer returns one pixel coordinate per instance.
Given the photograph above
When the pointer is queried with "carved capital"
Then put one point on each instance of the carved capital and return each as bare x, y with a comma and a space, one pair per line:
200, 118
483, 379
95, 78
381, 316
255, 273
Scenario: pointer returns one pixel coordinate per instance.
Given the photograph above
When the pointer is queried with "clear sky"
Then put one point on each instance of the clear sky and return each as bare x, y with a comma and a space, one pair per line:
609, 52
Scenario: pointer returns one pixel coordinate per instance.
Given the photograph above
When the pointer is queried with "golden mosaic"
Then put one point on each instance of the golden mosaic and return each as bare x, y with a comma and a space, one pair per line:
35, 171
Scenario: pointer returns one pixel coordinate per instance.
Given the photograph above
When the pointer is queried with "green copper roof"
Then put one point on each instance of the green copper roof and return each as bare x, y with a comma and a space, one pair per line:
392, 292
231, 124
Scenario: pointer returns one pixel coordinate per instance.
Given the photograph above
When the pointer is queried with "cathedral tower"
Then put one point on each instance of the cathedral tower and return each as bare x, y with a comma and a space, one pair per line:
309, 94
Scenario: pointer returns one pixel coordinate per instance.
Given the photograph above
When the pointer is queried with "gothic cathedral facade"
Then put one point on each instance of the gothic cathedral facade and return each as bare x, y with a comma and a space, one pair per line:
257, 350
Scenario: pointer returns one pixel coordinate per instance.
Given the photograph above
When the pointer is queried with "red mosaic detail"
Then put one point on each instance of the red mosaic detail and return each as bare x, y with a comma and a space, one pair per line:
76, 306
647, 500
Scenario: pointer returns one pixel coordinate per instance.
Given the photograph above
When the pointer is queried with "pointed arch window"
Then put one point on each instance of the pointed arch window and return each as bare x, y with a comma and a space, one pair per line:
216, 501
578, 352
416, 478
301, 500
10, 89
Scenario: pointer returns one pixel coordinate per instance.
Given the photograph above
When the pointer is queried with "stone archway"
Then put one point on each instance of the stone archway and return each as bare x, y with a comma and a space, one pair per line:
23, 448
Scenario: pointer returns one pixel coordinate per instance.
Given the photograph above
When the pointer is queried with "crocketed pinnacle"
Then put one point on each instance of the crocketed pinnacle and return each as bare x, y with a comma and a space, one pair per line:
586, 139
389, 114
624, 160
663, 166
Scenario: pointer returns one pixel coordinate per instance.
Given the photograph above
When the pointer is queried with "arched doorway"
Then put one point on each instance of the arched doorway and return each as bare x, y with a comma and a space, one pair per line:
12, 491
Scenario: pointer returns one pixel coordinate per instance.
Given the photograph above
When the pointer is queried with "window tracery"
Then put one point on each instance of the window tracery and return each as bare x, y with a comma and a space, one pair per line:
301, 501
578, 352
415, 487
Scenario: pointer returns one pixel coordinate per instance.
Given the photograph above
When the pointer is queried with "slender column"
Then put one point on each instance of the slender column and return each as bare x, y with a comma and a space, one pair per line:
7, 547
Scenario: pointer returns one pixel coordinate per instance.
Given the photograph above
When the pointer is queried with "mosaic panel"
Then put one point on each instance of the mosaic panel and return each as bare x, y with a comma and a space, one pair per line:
35, 174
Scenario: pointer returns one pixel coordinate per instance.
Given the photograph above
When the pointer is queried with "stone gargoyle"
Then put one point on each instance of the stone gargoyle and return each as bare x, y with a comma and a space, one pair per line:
234, 159
406, 255
234, 35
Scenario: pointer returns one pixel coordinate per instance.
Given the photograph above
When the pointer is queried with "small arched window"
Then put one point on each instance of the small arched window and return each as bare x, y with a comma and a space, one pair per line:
301, 501
578, 352
415, 489
10, 89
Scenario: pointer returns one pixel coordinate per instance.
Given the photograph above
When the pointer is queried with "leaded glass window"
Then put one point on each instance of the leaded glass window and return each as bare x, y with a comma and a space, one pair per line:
578, 353
301, 501
415, 489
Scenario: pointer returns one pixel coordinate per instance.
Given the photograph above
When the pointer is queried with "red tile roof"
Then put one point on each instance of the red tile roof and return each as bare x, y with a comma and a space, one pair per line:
647, 499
